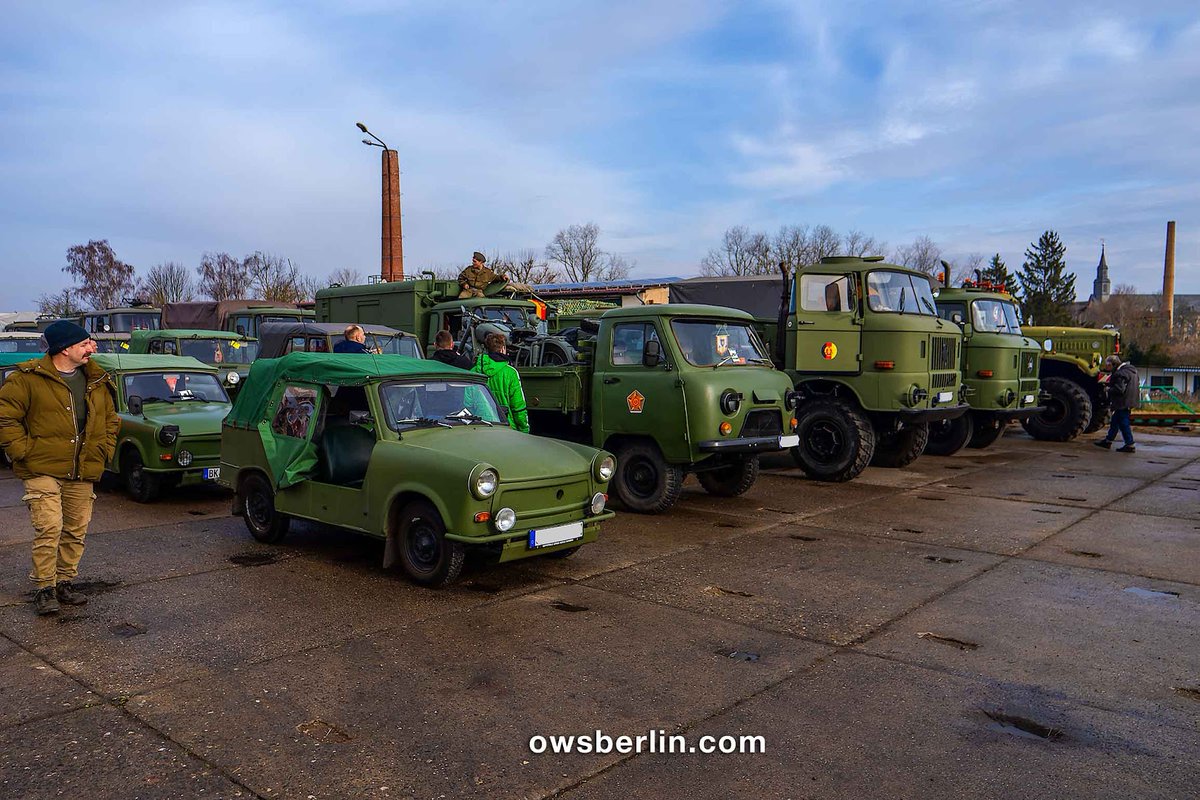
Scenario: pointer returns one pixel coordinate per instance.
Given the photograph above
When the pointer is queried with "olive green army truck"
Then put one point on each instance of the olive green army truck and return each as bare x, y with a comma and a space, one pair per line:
426, 305
410, 451
999, 367
306, 336
671, 390
229, 353
872, 360
243, 317
1073, 395
136, 316
171, 410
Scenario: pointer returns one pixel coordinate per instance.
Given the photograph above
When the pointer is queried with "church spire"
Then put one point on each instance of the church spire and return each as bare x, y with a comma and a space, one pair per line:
1101, 287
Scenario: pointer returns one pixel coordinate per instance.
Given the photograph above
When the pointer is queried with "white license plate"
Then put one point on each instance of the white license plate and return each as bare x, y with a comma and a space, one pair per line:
945, 397
789, 441
211, 473
556, 535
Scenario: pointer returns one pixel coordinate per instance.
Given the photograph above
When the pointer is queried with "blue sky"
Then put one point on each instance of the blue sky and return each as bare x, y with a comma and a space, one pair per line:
176, 128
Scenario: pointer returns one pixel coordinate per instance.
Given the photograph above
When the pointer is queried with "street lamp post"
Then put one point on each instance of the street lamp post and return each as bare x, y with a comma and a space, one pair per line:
391, 241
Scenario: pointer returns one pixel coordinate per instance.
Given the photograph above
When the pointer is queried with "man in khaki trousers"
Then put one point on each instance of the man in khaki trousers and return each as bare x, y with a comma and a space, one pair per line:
58, 424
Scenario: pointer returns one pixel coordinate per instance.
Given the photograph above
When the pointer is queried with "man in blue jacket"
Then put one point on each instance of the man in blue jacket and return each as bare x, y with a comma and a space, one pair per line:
1123, 396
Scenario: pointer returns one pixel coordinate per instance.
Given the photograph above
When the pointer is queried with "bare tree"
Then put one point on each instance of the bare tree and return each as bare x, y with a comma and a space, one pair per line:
60, 304
524, 266
169, 282
577, 249
273, 277
307, 287
222, 277
922, 255
790, 246
102, 277
346, 276
742, 252
823, 241
857, 243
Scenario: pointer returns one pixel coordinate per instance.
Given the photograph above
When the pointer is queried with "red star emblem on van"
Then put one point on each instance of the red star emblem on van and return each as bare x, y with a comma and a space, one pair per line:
636, 400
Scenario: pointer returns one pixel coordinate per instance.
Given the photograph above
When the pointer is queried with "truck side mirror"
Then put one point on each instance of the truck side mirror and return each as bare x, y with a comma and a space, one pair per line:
956, 318
134, 404
651, 353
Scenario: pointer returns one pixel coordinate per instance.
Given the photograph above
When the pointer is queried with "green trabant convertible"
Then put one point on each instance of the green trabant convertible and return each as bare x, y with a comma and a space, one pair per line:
228, 352
171, 410
410, 451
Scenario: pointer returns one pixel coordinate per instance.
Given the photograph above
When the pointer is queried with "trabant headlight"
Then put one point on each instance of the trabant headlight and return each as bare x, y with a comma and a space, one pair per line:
597, 505
167, 434
505, 519
484, 482
184, 459
232, 378
604, 468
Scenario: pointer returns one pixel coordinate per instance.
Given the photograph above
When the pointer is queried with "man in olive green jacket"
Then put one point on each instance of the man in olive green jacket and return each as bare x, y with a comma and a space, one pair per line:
503, 380
58, 424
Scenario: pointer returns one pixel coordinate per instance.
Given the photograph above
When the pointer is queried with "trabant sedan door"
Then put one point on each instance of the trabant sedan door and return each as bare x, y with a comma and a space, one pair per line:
827, 333
287, 443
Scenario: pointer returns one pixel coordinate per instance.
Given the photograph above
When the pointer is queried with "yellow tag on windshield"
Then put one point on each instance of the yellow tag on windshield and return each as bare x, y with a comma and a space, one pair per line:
234, 345
124, 345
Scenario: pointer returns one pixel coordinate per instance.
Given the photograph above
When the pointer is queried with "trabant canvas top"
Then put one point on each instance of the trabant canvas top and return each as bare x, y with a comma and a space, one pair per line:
186, 333
337, 369
679, 310
135, 361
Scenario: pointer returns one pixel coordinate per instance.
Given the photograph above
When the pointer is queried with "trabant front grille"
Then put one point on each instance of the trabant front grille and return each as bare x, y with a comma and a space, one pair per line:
943, 380
942, 352
763, 422
547, 504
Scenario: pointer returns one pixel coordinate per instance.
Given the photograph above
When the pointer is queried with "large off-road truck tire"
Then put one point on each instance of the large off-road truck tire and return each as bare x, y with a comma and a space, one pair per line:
900, 448
730, 480
1068, 412
988, 431
1100, 419
948, 436
836, 440
644, 482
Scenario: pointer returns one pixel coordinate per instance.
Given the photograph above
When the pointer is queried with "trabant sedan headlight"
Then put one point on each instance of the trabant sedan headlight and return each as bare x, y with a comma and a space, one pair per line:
167, 434
505, 519
484, 481
604, 468
233, 378
597, 505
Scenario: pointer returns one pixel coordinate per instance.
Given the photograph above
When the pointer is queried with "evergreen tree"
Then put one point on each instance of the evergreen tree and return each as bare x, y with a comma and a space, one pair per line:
1047, 289
997, 274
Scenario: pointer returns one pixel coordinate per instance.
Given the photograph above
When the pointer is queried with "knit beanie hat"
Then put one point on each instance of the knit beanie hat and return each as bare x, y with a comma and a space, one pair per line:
62, 334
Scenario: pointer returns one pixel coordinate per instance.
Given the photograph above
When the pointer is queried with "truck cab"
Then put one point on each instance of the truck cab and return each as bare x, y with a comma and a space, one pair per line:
122, 320
1073, 393
229, 353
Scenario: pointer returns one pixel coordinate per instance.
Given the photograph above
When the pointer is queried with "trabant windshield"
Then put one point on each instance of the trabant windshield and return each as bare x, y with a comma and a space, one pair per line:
219, 351
995, 316
174, 387
899, 293
711, 344
414, 404
396, 345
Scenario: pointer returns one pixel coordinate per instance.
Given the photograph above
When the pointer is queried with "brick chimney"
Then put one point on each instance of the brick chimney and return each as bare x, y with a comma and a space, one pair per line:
392, 245
1169, 280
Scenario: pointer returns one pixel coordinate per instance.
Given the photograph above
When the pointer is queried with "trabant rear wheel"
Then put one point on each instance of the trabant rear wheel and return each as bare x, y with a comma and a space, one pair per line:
644, 481
836, 440
730, 480
264, 523
900, 448
1068, 411
429, 558
141, 485
948, 436
987, 432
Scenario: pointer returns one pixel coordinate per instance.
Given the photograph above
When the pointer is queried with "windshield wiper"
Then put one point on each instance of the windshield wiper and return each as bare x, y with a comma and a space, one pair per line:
929, 305
427, 421
469, 418
903, 299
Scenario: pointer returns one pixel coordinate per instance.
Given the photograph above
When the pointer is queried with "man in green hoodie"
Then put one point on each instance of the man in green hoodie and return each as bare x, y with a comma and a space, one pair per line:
503, 380
58, 424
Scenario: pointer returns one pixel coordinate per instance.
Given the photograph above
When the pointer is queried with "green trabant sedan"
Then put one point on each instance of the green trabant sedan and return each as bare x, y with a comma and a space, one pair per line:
171, 410
406, 450
230, 353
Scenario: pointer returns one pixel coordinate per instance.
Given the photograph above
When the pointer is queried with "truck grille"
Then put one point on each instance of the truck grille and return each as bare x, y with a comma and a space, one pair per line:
942, 352
763, 422
1029, 387
943, 380
1029, 365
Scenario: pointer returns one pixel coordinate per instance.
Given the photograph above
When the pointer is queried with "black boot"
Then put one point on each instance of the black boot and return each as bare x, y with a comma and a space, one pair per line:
1105, 443
45, 602
68, 596
1128, 448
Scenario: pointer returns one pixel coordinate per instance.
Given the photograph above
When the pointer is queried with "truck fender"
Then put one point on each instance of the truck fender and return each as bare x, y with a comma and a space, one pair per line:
818, 387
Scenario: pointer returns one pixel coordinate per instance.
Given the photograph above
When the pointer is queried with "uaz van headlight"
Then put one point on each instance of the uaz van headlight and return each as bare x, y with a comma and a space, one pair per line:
731, 401
604, 468
505, 519
484, 482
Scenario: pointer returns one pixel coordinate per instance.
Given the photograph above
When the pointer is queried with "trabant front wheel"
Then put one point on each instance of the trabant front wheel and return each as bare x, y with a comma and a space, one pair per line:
141, 485
265, 523
429, 558
644, 481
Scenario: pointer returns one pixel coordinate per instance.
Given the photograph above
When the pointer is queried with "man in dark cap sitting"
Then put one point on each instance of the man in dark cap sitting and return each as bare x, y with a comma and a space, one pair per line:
444, 351
58, 424
477, 277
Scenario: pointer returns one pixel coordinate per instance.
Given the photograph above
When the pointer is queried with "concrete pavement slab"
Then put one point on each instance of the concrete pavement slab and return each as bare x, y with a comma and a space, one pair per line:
800, 580
100, 752
1173, 496
947, 518
857, 727
11, 492
430, 709
1114, 641
775, 497
1038, 484
30, 688
1165, 548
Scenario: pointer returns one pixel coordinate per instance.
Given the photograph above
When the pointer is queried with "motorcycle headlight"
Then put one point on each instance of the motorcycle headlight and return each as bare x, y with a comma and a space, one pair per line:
232, 378
505, 519
484, 482
604, 468
167, 434
598, 501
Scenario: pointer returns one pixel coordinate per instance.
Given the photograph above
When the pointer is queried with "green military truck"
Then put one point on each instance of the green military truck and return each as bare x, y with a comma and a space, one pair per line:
865, 348
1074, 397
999, 367
136, 316
227, 352
410, 451
243, 317
171, 410
426, 305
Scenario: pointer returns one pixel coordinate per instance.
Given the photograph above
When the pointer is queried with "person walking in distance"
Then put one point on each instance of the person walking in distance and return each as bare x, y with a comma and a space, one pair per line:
58, 424
503, 380
1123, 395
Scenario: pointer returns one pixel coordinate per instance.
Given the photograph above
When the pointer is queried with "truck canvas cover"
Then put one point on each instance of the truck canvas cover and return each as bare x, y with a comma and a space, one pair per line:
756, 294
